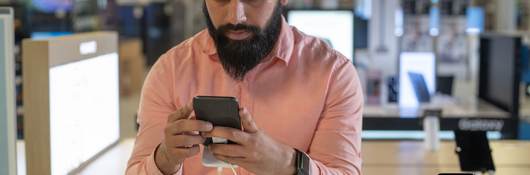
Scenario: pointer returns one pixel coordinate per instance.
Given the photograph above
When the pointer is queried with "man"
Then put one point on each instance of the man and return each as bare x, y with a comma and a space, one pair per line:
300, 99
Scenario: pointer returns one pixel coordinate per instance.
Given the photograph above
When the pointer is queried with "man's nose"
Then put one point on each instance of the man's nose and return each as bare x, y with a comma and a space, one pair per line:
236, 12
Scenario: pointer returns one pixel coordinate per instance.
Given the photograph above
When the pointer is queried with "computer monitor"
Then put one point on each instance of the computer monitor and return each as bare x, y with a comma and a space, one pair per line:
7, 94
71, 99
499, 71
417, 78
334, 27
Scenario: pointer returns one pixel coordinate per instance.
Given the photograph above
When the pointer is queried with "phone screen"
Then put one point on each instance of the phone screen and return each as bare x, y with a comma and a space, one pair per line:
220, 111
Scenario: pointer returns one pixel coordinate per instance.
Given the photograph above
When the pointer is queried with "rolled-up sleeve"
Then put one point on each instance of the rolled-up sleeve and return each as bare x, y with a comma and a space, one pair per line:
336, 145
155, 106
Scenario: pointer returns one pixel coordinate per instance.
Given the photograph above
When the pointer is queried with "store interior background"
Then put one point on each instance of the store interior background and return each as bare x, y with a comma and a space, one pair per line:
382, 31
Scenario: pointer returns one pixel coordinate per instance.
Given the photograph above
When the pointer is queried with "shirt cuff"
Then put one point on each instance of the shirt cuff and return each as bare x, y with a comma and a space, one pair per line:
313, 168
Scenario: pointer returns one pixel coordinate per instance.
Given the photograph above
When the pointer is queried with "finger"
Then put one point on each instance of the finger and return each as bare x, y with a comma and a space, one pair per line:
232, 134
181, 141
192, 117
184, 152
181, 113
230, 150
247, 122
192, 133
188, 126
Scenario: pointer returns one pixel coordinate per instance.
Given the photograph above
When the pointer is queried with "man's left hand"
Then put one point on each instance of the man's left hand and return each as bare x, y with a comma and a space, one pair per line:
254, 151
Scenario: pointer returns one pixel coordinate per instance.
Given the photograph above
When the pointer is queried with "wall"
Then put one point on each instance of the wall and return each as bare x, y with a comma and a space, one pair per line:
7, 99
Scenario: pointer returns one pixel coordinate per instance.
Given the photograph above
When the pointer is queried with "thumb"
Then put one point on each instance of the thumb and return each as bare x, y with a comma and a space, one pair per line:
247, 122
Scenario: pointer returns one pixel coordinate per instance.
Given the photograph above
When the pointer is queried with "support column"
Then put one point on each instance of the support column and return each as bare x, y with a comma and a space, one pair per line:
383, 41
505, 16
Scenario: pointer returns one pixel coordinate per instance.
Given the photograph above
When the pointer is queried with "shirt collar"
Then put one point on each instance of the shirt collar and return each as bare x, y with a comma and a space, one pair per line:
282, 49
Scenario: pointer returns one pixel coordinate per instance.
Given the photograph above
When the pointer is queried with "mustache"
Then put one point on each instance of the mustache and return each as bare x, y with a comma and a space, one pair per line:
225, 28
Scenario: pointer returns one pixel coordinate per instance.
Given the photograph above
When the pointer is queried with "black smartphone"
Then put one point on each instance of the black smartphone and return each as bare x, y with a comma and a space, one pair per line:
474, 152
218, 110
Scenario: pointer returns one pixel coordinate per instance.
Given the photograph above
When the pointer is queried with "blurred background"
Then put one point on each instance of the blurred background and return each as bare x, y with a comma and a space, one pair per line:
465, 62
372, 33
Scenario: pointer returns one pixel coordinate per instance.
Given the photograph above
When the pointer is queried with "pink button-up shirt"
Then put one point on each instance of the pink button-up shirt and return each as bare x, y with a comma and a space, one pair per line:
304, 94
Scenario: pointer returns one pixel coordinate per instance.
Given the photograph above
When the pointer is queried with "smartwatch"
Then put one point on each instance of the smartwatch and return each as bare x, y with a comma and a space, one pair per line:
302, 163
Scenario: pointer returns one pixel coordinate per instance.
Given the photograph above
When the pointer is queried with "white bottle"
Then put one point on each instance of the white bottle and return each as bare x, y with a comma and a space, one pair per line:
431, 128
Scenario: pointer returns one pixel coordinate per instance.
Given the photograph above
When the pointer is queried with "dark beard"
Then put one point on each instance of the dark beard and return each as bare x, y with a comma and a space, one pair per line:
239, 57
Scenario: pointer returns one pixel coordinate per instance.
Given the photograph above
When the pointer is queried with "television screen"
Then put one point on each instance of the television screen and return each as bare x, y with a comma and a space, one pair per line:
500, 71
318, 23
84, 110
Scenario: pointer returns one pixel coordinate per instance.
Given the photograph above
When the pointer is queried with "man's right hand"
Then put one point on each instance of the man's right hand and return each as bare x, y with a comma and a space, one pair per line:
181, 140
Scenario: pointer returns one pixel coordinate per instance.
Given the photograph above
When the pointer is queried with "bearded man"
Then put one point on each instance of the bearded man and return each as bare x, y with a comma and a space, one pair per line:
301, 101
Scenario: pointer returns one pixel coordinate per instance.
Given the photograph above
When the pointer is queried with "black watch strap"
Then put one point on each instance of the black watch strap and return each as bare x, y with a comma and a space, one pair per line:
302, 163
